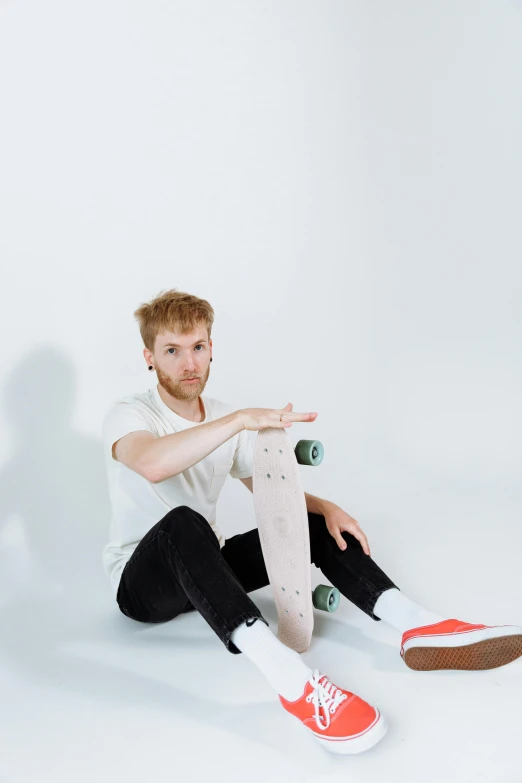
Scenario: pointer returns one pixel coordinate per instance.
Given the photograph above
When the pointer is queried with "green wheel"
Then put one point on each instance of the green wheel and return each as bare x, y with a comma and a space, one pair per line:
326, 598
309, 452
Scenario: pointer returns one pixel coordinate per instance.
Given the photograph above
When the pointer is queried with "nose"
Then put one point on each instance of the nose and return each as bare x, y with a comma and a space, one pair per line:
191, 368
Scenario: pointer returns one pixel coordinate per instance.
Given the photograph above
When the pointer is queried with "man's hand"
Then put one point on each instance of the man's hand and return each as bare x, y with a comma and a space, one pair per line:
338, 521
280, 418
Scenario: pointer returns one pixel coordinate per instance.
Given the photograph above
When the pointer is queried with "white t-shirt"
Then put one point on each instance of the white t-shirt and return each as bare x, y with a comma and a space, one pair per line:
137, 504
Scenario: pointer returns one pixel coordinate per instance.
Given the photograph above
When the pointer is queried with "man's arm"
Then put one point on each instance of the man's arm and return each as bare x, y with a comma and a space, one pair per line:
337, 520
248, 483
316, 505
166, 456
313, 504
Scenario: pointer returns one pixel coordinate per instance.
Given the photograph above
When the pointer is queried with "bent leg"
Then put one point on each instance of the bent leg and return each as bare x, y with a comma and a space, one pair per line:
351, 571
178, 566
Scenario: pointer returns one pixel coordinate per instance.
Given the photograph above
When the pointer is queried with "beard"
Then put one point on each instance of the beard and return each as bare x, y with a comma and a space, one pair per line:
180, 390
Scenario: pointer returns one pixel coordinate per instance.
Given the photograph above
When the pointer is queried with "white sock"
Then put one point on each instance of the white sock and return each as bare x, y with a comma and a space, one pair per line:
399, 611
284, 668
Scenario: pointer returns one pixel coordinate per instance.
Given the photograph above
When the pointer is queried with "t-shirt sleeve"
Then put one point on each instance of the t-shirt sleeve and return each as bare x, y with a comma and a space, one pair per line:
121, 419
243, 465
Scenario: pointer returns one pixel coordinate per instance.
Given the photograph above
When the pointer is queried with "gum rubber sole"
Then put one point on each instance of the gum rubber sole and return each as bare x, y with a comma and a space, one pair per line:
488, 654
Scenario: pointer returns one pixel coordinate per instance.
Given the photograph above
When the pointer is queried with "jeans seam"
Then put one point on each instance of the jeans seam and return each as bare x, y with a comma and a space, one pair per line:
363, 581
374, 593
205, 599
135, 555
209, 531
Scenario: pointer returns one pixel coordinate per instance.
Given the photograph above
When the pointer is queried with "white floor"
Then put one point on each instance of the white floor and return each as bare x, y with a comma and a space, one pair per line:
89, 695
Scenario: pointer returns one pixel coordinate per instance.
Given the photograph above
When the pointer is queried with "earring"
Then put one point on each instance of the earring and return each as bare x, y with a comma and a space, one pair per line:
210, 358
151, 367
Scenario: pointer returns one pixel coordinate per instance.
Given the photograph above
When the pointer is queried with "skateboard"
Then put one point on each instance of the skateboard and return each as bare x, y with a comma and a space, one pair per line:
282, 520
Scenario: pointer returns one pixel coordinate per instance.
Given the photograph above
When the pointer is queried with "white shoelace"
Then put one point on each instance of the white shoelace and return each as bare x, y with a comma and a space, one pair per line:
326, 695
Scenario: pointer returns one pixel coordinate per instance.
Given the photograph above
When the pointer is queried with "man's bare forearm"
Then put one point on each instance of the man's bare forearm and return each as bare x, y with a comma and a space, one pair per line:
316, 505
172, 454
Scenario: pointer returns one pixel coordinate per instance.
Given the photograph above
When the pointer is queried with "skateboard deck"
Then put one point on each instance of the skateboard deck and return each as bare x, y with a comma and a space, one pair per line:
282, 520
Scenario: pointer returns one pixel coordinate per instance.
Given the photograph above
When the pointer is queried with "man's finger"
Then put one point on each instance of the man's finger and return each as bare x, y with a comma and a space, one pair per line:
293, 416
363, 541
340, 540
357, 533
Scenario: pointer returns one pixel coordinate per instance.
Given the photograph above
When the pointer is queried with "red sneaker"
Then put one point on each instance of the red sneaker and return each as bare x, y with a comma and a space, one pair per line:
348, 724
454, 644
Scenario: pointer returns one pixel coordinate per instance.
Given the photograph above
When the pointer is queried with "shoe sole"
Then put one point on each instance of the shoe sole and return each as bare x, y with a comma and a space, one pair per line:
486, 654
359, 743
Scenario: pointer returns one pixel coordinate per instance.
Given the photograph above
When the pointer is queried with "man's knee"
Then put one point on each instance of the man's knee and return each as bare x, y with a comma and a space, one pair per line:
181, 517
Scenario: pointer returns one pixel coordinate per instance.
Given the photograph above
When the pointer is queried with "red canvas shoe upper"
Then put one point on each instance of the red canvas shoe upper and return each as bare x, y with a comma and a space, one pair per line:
445, 627
330, 711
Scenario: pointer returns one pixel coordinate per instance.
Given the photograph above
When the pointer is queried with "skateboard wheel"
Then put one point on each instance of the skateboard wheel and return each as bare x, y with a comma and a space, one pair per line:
326, 598
309, 452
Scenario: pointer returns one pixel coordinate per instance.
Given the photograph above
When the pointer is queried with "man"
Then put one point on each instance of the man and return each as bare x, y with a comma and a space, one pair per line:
168, 453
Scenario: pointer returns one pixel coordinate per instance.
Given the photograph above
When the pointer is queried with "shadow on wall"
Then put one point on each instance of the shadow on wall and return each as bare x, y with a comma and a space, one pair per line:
54, 500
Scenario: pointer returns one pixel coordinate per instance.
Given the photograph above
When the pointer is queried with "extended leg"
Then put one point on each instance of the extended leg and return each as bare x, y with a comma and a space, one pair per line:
429, 641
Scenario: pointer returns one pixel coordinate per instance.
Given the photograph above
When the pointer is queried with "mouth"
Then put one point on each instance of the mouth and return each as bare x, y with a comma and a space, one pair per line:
189, 380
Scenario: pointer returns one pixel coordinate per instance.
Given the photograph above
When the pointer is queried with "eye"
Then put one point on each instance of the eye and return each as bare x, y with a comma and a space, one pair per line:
199, 345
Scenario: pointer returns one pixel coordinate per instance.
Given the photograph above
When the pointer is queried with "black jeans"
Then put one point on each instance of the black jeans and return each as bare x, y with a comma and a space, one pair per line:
178, 566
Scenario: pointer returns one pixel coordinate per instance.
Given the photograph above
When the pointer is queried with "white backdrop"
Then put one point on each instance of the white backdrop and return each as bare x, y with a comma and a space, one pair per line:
342, 181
